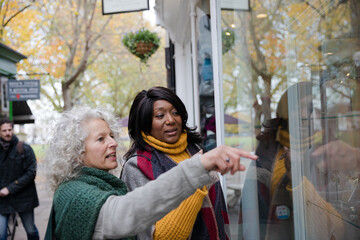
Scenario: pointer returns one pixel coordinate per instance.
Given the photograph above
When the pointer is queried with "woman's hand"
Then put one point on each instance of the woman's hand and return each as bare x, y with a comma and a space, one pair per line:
224, 159
4, 192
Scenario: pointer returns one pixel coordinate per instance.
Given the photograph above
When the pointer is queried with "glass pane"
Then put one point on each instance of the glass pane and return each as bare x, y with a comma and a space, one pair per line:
205, 75
4, 103
291, 75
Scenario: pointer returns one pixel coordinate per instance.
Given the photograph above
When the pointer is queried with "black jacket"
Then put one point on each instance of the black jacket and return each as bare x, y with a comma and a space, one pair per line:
17, 173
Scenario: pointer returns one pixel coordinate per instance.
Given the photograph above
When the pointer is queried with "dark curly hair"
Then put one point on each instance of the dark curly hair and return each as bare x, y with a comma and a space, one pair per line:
141, 115
6, 120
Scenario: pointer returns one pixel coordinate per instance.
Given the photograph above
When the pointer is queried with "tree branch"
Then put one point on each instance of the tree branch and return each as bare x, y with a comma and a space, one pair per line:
89, 42
95, 57
57, 107
316, 10
74, 45
17, 13
102, 30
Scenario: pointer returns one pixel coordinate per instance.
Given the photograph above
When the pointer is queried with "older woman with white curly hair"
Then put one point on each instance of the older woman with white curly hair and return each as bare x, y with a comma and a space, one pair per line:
91, 203
67, 144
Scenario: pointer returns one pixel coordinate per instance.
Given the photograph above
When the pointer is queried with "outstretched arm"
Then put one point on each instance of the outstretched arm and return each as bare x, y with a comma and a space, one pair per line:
131, 214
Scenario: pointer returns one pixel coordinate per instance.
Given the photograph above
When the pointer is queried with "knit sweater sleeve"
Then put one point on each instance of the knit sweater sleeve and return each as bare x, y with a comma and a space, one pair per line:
134, 178
178, 223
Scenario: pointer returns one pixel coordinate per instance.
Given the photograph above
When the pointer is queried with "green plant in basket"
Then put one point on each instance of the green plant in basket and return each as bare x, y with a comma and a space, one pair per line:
142, 44
228, 39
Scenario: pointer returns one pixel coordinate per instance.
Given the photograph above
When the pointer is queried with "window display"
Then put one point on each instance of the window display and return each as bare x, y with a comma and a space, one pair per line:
291, 78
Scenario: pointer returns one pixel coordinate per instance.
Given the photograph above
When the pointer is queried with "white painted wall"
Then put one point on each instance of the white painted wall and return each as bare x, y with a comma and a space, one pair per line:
184, 81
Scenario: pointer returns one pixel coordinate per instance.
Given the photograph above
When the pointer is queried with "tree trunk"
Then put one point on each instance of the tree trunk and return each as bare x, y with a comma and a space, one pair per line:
66, 97
355, 17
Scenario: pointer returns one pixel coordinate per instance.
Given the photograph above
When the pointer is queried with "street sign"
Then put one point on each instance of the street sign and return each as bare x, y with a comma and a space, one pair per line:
123, 6
22, 90
243, 5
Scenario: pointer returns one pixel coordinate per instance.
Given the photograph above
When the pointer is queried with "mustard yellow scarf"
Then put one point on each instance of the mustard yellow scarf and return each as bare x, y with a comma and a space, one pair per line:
279, 169
176, 151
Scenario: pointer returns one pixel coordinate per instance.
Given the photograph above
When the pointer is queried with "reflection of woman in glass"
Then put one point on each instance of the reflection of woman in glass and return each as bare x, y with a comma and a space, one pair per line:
160, 141
274, 180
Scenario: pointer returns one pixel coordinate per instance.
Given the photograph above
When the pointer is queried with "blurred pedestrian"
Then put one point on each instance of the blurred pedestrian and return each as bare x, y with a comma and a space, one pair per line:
91, 203
161, 140
17, 185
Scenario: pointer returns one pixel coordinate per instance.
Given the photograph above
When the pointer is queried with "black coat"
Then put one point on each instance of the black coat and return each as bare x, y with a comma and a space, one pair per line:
17, 173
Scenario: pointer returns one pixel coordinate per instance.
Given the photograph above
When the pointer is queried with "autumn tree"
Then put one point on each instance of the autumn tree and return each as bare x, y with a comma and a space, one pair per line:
79, 50
75, 26
118, 76
273, 38
10, 10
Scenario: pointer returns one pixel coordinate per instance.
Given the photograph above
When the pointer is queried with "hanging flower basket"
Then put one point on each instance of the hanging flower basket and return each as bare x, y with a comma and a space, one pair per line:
144, 47
142, 44
228, 39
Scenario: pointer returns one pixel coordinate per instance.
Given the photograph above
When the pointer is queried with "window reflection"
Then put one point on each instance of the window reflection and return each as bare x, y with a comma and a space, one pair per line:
293, 71
206, 82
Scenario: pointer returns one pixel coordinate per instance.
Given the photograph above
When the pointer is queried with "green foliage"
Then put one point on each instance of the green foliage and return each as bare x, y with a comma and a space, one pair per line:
131, 41
228, 39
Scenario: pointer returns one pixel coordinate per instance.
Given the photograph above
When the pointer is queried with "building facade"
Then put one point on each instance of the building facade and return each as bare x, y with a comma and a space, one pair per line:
18, 111
279, 78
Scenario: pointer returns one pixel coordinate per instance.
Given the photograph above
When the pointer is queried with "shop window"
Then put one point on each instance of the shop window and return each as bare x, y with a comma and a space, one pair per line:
4, 102
291, 79
206, 79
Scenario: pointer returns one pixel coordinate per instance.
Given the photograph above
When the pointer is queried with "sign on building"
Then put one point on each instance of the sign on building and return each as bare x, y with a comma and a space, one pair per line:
22, 90
122, 6
243, 5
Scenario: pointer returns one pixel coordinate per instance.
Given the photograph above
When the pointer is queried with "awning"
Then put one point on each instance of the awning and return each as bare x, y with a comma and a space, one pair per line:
22, 113
174, 16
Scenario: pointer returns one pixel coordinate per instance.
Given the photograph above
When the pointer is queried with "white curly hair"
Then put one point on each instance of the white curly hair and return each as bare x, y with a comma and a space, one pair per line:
67, 143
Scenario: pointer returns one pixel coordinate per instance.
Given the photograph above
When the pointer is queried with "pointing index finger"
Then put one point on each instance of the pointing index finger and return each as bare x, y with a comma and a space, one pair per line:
247, 154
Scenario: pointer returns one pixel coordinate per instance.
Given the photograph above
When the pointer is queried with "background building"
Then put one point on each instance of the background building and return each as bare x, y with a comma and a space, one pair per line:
237, 58
18, 111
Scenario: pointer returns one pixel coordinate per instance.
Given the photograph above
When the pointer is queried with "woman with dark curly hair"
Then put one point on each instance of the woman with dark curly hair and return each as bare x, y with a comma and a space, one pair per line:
161, 140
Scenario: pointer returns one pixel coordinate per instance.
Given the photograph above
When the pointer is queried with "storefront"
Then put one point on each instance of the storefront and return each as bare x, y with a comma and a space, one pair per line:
289, 73
19, 111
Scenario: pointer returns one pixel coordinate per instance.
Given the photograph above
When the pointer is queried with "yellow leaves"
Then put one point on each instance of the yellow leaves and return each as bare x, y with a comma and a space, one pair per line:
46, 34
20, 25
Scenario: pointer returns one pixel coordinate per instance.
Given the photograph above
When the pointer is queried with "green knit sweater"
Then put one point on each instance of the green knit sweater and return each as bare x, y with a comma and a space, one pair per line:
77, 203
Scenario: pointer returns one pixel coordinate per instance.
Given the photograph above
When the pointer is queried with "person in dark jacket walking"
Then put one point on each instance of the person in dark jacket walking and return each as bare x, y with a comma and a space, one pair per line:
17, 186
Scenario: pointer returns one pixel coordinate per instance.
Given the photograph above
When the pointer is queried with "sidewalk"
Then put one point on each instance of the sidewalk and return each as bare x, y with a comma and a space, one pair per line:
43, 210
